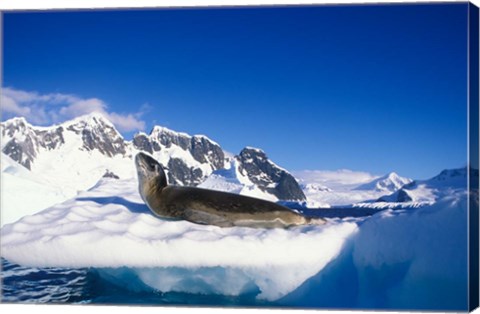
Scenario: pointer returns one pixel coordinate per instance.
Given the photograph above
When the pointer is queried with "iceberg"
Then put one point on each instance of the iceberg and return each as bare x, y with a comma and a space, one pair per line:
119, 237
407, 258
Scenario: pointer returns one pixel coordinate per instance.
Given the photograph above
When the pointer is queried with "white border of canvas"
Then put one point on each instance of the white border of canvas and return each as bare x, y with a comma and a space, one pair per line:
6, 5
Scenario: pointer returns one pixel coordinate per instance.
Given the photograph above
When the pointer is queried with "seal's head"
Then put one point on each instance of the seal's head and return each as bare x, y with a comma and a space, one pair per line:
151, 176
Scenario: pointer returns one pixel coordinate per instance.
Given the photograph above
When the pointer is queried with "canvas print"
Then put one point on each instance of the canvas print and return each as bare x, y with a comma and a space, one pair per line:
308, 157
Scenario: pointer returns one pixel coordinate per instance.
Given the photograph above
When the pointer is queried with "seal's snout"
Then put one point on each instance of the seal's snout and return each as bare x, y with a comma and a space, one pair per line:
150, 173
146, 163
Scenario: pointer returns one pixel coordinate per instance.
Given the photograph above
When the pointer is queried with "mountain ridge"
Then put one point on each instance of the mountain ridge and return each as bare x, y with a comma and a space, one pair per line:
430, 190
188, 159
388, 183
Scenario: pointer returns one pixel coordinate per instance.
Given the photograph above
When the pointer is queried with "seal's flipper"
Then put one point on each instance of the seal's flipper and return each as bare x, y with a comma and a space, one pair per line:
316, 221
205, 218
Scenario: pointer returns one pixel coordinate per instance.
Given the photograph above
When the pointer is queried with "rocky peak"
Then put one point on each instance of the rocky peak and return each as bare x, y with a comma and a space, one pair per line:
90, 121
390, 182
167, 137
22, 142
98, 133
202, 149
205, 150
269, 177
429, 190
15, 125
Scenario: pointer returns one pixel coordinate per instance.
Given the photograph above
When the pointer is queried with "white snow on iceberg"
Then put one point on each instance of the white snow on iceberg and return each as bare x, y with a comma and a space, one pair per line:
118, 234
420, 255
408, 259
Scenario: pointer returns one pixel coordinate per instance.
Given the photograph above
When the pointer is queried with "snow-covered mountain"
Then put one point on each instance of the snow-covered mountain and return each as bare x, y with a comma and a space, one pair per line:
345, 187
269, 177
387, 183
188, 159
429, 191
252, 173
75, 155
24, 142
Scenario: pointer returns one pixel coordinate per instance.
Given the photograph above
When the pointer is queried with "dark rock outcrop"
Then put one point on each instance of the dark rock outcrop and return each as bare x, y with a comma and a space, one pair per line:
267, 176
100, 134
400, 196
179, 173
109, 174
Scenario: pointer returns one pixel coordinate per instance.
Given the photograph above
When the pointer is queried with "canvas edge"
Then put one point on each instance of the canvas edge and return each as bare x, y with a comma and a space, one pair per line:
473, 158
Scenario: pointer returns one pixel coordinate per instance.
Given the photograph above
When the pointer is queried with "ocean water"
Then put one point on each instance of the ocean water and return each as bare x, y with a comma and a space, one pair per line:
44, 285
85, 286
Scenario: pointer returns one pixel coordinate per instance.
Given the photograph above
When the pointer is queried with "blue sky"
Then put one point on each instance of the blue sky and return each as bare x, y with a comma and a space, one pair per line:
371, 88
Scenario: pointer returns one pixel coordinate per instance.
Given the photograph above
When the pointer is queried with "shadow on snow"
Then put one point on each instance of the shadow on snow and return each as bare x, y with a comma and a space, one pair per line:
137, 208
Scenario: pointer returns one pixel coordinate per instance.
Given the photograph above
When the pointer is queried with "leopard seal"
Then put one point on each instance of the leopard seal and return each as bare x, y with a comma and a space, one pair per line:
209, 207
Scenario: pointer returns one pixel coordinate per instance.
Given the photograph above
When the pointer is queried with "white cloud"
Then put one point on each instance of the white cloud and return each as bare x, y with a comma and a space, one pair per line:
83, 106
20, 96
126, 122
334, 178
10, 105
44, 109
